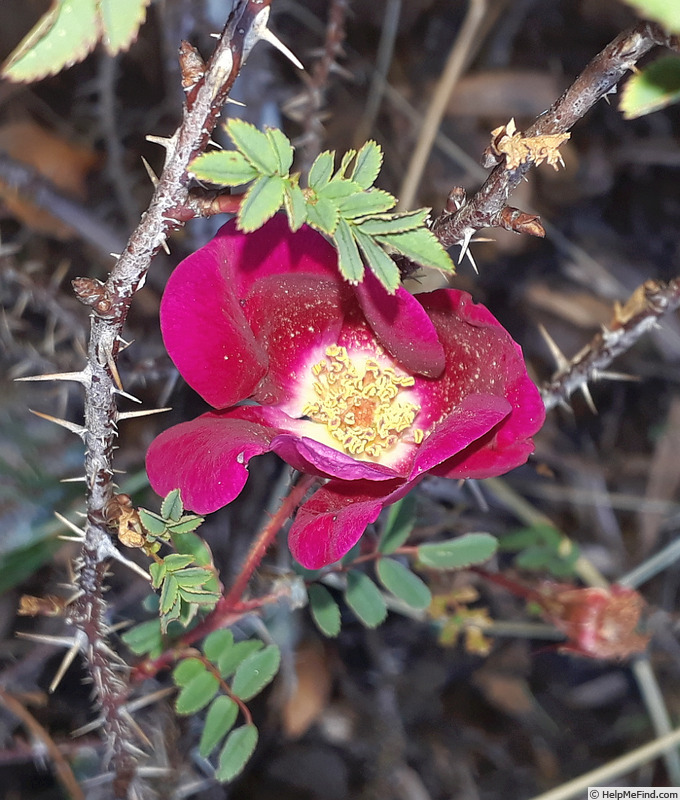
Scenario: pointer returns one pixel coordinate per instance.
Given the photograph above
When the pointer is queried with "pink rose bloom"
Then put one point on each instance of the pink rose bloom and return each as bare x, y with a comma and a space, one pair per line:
369, 390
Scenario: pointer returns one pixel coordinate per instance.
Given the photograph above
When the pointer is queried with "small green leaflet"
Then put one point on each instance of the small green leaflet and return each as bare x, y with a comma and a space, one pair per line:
667, 12
365, 599
219, 720
403, 583
69, 31
172, 507
230, 658
325, 611
259, 149
263, 199
121, 19
349, 258
367, 165
197, 693
472, 548
224, 168
255, 672
238, 748
656, 86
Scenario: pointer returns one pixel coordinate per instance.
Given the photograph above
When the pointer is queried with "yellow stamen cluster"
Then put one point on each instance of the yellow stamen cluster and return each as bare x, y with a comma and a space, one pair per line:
359, 407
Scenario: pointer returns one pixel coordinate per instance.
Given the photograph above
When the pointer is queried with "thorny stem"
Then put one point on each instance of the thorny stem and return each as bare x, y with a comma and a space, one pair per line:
88, 612
231, 607
650, 301
600, 76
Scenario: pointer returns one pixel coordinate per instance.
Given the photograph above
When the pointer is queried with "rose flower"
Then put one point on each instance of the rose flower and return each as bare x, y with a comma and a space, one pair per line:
349, 383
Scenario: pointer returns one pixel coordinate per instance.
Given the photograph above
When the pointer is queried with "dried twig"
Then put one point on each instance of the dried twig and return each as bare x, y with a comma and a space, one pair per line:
486, 208
648, 302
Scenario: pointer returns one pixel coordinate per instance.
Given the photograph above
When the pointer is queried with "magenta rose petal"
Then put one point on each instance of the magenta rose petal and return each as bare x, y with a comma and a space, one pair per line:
206, 459
332, 521
402, 326
206, 333
308, 455
474, 417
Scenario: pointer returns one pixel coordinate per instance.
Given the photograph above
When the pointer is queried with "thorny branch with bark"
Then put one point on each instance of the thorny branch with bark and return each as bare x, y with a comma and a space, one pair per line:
110, 304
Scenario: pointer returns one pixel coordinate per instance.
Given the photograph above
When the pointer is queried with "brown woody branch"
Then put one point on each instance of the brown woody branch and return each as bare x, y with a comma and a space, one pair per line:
648, 302
486, 208
110, 306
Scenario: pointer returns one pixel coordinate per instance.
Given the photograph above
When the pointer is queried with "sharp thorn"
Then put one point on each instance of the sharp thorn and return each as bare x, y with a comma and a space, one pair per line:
80, 377
163, 141
126, 395
235, 103
132, 414
561, 361
64, 538
44, 638
165, 246
114, 372
80, 430
149, 171
606, 375
79, 479
585, 391
66, 663
91, 726
72, 526
267, 36
107, 550
115, 255
138, 731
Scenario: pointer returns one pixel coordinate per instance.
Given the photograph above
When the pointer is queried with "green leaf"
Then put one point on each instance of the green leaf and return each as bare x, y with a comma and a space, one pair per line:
193, 576
230, 659
282, 147
421, 246
63, 36
322, 214
255, 145
177, 561
364, 598
169, 595
365, 203
255, 672
367, 165
238, 748
325, 611
349, 260
381, 265
172, 507
667, 12
121, 20
386, 224
224, 167
220, 718
145, 638
201, 597
158, 572
399, 523
472, 548
152, 523
295, 204
321, 170
403, 583
197, 693
653, 88
344, 163
216, 643
262, 200
337, 189
187, 670
186, 524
